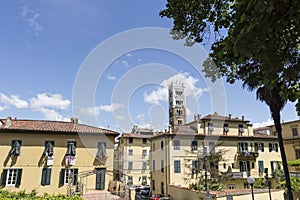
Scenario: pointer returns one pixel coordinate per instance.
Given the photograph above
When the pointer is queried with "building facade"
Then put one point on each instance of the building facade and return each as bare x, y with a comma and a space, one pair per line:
55, 157
132, 164
187, 154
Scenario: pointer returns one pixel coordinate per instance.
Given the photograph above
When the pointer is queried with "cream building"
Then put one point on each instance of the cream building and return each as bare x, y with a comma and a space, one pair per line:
291, 136
174, 154
133, 157
55, 157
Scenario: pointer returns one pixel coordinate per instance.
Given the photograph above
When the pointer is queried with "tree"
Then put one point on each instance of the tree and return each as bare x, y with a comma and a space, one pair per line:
256, 42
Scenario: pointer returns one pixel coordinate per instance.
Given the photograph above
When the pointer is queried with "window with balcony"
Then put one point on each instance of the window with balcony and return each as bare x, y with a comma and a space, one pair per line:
273, 147
15, 148
194, 145
242, 147
177, 166
11, 177
71, 148
49, 148
176, 144
130, 152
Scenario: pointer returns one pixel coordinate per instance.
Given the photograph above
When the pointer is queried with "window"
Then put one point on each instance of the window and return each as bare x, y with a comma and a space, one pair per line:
130, 140
129, 165
153, 165
153, 146
176, 144
68, 176
194, 145
179, 93
162, 145
231, 186
144, 153
46, 176
242, 147
259, 147
49, 146
226, 128
129, 180
144, 140
224, 165
210, 127
273, 147
211, 147
144, 179
177, 168
162, 167
245, 167
101, 151
162, 188
253, 165
179, 112
297, 152
130, 152
179, 102
11, 177
294, 132
261, 167
144, 166
153, 185
71, 148
180, 122
232, 165
241, 129
15, 147
274, 165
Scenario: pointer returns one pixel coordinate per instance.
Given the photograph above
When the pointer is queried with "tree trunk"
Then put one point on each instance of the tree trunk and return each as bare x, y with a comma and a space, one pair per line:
276, 117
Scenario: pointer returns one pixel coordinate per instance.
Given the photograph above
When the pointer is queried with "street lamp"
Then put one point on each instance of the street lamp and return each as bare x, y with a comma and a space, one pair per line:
251, 181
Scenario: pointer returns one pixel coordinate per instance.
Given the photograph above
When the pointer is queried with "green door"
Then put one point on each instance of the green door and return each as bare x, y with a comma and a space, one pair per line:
100, 179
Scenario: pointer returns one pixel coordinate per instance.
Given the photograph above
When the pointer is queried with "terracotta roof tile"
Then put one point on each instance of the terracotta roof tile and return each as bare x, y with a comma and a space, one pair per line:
50, 126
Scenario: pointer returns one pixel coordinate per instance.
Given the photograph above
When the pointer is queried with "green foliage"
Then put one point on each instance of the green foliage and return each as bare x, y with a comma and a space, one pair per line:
260, 183
213, 185
22, 195
295, 183
294, 162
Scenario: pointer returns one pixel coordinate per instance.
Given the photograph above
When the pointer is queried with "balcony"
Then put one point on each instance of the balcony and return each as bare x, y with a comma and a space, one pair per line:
247, 155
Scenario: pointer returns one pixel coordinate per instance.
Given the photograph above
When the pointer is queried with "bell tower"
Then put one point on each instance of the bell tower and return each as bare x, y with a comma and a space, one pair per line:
177, 110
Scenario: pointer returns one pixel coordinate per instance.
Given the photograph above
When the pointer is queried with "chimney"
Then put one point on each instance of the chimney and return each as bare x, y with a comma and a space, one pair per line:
195, 117
243, 118
170, 129
8, 122
230, 115
74, 120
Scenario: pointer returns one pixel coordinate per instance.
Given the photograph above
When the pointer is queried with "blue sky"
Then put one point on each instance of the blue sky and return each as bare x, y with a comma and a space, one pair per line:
44, 48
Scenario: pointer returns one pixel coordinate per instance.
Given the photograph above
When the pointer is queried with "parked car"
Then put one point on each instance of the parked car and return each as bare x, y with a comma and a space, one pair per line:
155, 197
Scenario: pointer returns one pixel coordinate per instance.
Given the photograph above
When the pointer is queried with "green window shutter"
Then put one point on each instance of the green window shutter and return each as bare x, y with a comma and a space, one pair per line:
272, 166
276, 147
3, 177
261, 166
239, 147
75, 176
46, 176
270, 147
19, 177
246, 146
62, 177
255, 147
262, 147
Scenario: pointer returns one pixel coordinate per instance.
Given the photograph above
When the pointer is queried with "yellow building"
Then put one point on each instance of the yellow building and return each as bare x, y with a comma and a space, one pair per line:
291, 136
55, 157
174, 154
133, 158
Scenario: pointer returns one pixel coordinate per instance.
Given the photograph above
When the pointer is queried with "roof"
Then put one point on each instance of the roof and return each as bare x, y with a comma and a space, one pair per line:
21, 125
215, 116
135, 135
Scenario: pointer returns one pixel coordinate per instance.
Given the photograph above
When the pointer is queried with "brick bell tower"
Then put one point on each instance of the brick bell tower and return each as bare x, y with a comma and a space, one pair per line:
177, 109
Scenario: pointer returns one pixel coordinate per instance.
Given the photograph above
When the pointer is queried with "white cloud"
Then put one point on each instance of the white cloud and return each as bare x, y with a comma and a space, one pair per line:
13, 100
161, 93
129, 55
141, 117
31, 17
269, 122
2, 108
95, 111
119, 117
49, 100
110, 77
51, 114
